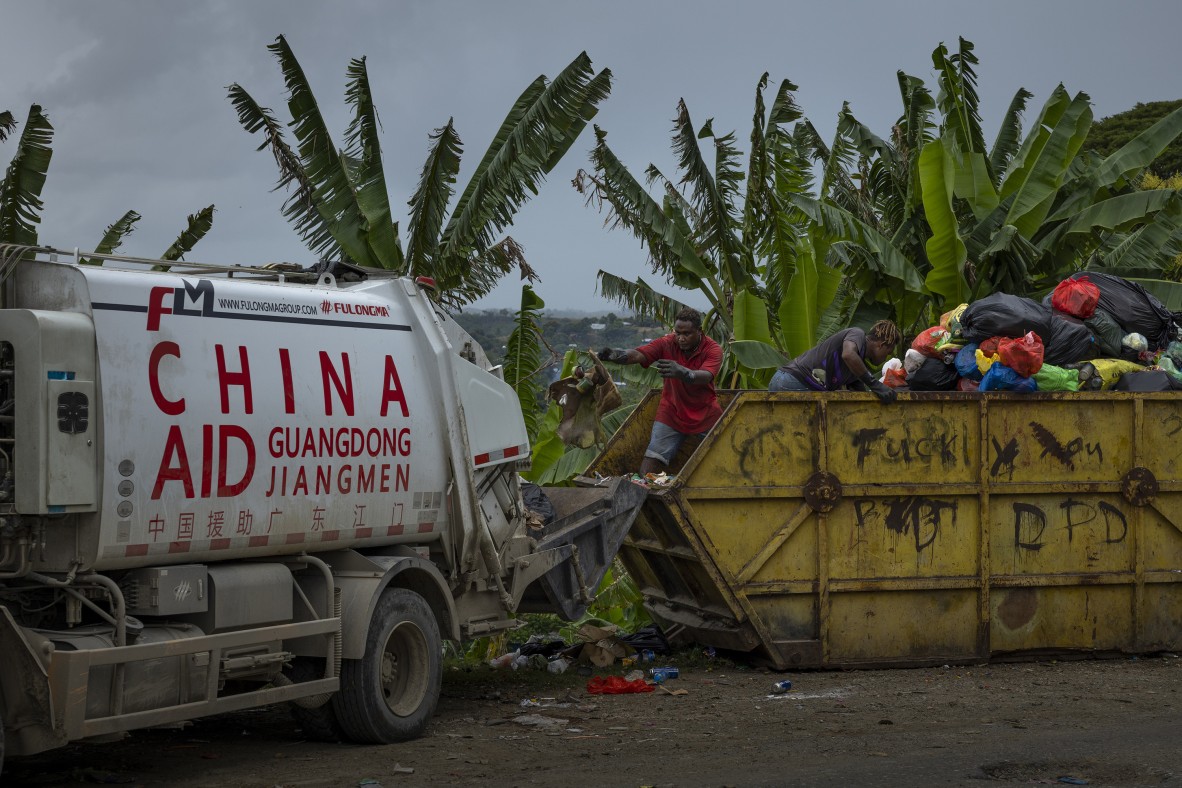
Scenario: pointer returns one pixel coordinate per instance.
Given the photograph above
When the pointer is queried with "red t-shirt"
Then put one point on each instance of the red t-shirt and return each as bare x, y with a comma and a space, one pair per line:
687, 409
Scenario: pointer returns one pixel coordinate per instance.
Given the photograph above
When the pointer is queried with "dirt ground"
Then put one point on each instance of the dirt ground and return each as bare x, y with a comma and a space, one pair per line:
1100, 723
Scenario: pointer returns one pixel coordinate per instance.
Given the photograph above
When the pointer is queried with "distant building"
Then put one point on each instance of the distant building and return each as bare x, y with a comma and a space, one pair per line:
598, 326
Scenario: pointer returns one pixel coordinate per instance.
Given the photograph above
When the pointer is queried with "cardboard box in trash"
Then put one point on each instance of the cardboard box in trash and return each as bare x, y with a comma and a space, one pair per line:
601, 646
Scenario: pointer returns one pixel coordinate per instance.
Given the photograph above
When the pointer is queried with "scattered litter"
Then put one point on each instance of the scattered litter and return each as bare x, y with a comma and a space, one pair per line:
616, 685
1073, 780
673, 691
539, 721
661, 479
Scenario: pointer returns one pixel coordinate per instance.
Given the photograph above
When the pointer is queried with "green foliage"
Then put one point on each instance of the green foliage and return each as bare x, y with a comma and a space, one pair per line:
113, 237
1110, 133
198, 224
339, 203
20, 191
523, 358
904, 226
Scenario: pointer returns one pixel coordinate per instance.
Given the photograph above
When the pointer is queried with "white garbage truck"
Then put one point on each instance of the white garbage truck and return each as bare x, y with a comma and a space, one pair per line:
223, 487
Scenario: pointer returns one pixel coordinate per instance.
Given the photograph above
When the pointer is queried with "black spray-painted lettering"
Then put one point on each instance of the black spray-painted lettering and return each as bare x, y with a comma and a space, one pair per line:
1005, 458
1030, 522
1064, 453
941, 447
920, 517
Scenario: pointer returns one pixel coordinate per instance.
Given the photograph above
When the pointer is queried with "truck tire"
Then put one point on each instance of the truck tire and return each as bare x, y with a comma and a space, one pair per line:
390, 693
320, 723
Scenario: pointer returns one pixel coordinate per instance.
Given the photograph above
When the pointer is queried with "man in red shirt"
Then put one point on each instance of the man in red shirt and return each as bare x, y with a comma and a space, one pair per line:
688, 360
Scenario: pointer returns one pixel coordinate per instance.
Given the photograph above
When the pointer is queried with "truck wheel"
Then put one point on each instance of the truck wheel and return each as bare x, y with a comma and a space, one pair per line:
320, 723
390, 693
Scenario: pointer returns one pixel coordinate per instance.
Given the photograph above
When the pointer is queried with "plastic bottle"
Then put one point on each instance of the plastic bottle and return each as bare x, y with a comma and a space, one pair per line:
780, 687
659, 675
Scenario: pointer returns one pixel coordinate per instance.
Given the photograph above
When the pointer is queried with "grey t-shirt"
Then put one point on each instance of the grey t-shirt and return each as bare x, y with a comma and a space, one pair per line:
827, 357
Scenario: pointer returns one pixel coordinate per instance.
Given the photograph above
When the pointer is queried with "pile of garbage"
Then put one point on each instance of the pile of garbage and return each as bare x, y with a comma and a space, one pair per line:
597, 645
1094, 332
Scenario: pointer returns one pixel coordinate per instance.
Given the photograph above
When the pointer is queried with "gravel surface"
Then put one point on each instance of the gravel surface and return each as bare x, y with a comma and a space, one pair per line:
1101, 723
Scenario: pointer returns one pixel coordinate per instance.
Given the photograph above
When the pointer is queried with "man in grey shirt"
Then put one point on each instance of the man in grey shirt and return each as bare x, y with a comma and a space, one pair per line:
840, 361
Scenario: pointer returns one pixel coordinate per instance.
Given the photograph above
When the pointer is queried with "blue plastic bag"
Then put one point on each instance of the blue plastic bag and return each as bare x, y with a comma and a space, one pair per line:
966, 362
1003, 378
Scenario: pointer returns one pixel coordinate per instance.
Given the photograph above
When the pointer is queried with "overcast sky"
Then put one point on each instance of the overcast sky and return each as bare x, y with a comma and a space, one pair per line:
136, 91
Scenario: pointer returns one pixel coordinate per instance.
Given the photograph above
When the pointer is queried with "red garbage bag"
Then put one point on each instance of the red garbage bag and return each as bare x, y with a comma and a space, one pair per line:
616, 685
988, 347
1077, 297
895, 377
930, 339
1023, 355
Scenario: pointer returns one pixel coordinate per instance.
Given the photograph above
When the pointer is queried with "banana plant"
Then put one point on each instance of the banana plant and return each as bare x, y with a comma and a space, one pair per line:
20, 191
339, 201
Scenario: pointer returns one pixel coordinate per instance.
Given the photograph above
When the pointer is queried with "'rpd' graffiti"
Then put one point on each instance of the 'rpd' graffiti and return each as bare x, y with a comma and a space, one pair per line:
1030, 522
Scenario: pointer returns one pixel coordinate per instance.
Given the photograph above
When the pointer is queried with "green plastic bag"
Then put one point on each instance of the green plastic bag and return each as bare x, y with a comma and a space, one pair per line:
1052, 378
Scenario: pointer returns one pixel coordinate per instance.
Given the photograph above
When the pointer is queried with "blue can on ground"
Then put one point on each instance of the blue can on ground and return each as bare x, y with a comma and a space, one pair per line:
647, 655
781, 687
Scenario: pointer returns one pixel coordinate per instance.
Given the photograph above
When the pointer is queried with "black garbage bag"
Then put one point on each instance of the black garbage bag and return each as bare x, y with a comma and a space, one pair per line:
650, 637
1134, 308
1005, 315
933, 375
537, 501
1148, 380
1070, 341
1108, 334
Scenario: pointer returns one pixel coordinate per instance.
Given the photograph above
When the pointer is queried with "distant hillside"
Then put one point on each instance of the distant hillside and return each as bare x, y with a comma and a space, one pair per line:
491, 328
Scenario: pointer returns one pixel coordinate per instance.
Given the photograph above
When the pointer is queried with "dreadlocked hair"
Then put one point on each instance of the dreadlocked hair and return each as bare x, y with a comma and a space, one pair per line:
886, 332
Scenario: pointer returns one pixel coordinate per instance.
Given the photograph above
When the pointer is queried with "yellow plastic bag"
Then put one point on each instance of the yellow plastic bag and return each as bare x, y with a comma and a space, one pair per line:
951, 319
1110, 369
984, 362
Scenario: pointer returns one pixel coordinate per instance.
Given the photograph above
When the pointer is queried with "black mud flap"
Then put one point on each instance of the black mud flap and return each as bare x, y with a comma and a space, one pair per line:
595, 519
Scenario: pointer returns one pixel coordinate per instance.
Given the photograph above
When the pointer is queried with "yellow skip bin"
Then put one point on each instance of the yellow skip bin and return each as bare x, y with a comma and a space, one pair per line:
829, 530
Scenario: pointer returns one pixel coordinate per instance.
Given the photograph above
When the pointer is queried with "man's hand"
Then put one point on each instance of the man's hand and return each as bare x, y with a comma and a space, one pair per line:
671, 369
886, 395
618, 355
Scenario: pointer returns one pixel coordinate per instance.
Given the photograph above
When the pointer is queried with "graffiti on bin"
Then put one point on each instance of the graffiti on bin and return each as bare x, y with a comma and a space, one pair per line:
1171, 425
1030, 522
946, 447
1067, 454
757, 450
912, 515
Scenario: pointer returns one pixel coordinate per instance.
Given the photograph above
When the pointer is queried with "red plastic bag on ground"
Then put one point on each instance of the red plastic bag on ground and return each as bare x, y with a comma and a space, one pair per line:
1077, 297
1023, 355
616, 685
929, 340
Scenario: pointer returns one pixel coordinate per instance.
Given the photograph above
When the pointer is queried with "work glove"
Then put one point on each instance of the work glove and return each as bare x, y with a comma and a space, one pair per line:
886, 395
671, 369
613, 354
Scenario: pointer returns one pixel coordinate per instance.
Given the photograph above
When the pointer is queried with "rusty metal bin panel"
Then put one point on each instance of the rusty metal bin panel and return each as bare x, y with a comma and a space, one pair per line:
935, 442
1048, 441
948, 527
901, 627
1069, 618
904, 536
